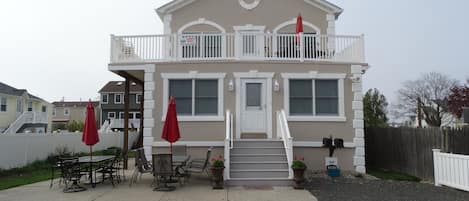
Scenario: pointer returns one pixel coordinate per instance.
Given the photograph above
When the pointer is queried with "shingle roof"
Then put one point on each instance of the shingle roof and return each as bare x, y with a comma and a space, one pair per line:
74, 103
118, 86
7, 89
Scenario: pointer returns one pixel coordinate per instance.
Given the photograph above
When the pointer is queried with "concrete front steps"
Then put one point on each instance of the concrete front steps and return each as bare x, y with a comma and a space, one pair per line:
258, 162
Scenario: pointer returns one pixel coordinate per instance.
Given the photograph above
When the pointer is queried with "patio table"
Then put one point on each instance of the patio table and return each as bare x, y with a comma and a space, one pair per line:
93, 161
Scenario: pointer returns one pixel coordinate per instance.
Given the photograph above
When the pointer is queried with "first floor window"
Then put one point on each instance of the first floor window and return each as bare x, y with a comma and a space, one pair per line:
138, 98
121, 115
195, 96
111, 115
3, 104
54, 111
313, 97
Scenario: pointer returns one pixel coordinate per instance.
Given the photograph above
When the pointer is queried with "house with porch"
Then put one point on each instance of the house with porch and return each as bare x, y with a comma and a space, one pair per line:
247, 84
22, 112
65, 112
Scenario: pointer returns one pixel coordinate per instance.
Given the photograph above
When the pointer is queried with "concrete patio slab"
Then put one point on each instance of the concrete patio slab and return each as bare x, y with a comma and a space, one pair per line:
197, 188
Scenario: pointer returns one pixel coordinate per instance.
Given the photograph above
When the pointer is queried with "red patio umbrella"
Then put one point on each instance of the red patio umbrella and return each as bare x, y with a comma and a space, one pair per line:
171, 128
90, 133
299, 27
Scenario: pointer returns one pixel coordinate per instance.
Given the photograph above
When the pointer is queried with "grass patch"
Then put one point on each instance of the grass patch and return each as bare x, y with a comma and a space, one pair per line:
392, 175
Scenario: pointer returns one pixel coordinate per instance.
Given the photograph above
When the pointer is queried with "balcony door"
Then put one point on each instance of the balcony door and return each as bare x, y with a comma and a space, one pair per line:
250, 41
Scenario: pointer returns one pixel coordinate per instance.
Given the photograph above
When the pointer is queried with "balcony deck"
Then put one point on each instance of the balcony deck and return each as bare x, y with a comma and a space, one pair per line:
230, 46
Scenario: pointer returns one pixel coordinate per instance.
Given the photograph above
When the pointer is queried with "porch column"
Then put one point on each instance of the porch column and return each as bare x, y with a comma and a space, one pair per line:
126, 121
148, 112
358, 123
140, 133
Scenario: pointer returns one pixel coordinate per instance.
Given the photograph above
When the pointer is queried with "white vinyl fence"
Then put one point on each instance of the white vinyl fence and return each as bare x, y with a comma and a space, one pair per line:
451, 170
17, 150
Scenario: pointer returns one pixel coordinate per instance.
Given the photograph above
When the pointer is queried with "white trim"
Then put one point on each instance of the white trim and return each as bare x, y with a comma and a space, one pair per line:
6, 104
249, 6
254, 74
145, 67
249, 27
201, 21
121, 98
318, 144
107, 98
191, 143
314, 75
194, 75
293, 21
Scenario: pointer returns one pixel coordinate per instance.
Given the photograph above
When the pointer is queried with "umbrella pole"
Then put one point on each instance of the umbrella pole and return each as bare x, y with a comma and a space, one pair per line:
171, 147
91, 166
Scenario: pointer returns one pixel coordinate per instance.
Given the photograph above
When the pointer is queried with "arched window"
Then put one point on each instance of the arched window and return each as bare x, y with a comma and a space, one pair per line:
201, 39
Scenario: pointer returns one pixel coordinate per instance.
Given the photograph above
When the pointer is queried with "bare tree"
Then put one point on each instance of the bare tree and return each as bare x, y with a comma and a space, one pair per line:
430, 91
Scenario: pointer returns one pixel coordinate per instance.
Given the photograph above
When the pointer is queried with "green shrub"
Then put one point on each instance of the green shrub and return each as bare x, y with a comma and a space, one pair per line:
74, 126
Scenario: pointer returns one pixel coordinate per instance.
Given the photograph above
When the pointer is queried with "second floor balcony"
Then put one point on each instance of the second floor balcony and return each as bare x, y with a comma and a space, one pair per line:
237, 46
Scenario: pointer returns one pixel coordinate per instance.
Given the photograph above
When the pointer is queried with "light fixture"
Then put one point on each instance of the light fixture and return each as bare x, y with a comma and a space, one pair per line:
231, 85
356, 78
276, 86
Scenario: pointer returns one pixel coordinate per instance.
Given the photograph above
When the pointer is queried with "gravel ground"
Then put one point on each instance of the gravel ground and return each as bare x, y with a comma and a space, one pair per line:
357, 189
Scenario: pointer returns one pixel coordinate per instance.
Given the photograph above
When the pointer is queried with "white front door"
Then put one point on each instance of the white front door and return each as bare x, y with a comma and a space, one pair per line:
253, 106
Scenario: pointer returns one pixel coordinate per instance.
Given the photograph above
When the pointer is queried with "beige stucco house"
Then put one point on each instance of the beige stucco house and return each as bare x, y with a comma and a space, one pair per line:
21, 111
248, 85
65, 112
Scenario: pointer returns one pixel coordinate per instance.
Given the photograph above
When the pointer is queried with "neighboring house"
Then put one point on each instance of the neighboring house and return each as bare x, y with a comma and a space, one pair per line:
112, 105
242, 59
65, 112
23, 112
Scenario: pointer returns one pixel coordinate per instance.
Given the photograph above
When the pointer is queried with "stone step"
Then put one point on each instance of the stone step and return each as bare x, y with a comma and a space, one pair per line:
259, 182
258, 150
259, 165
258, 157
259, 173
257, 143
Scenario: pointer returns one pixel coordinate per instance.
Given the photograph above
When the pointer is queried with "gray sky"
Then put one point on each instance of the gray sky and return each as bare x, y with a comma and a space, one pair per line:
60, 48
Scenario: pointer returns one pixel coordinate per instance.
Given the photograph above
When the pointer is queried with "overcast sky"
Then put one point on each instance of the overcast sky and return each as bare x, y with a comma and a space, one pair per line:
60, 48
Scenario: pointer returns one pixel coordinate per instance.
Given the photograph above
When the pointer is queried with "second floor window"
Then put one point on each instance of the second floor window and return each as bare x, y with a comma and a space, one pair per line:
44, 108
104, 98
30, 106
66, 111
3, 104
202, 99
54, 111
19, 106
118, 98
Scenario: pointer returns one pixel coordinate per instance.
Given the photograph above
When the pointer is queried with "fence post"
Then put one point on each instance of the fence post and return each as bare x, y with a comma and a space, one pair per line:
436, 164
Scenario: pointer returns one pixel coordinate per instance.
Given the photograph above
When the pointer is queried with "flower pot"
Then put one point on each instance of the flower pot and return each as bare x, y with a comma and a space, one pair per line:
217, 177
299, 178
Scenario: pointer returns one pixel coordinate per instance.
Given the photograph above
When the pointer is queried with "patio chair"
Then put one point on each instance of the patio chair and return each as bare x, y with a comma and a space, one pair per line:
199, 165
142, 166
71, 172
119, 165
109, 171
163, 171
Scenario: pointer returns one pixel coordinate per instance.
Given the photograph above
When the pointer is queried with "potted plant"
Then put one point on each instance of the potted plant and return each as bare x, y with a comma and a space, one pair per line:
218, 166
299, 168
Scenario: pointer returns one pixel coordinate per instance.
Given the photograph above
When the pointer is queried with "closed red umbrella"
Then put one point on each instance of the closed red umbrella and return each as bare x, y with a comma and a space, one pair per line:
299, 27
90, 133
171, 127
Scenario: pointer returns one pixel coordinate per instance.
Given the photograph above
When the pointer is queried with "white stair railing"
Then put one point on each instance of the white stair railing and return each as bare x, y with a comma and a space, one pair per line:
26, 118
283, 131
228, 142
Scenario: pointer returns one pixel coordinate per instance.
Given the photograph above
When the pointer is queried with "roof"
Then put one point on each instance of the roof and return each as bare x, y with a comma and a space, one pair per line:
74, 103
119, 87
7, 89
177, 4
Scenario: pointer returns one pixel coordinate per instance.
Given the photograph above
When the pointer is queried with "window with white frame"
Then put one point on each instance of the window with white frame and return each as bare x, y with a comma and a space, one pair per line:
138, 97
312, 97
3, 104
121, 115
54, 111
199, 96
19, 105
105, 98
30, 106
66, 111
44, 108
111, 115
118, 98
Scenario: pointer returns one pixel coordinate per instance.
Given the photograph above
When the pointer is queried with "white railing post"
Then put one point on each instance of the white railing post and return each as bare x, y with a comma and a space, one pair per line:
228, 143
302, 46
282, 125
113, 50
176, 47
436, 166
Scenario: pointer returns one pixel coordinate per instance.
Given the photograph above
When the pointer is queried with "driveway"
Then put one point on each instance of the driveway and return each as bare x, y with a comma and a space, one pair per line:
326, 189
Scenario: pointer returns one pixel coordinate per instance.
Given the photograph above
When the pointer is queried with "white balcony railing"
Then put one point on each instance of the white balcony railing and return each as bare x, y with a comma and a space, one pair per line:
27, 118
245, 46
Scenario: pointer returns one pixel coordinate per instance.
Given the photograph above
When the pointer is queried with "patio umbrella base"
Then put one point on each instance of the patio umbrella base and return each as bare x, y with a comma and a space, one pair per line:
74, 188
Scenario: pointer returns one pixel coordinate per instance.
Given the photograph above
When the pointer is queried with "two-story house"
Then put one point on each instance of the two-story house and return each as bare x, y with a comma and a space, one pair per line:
112, 105
65, 112
248, 83
22, 112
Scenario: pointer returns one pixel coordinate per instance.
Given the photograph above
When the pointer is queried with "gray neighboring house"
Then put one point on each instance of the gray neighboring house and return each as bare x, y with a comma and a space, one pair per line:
112, 105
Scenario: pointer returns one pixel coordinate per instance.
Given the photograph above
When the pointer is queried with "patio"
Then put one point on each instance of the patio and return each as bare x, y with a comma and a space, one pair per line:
197, 188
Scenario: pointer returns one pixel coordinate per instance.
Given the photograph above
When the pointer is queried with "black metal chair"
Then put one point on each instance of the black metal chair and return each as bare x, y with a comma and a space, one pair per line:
109, 171
163, 171
71, 173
